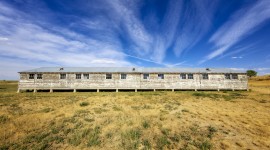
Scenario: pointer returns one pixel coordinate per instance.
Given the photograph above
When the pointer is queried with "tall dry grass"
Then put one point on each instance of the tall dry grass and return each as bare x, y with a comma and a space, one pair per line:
142, 120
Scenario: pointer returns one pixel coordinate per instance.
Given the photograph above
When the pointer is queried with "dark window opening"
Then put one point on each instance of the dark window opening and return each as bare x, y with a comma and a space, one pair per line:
39, 76
78, 76
108, 76
234, 76
146, 76
160, 76
85, 76
123, 76
205, 76
227, 76
31, 76
190, 76
62, 76
183, 76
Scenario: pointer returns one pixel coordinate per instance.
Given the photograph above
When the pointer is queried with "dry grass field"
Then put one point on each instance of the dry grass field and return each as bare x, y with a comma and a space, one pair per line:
142, 120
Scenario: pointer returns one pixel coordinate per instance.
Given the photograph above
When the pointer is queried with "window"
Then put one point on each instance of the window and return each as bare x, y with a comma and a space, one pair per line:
183, 76
31, 76
190, 76
160, 76
62, 76
108, 76
234, 76
85, 76
78, 76
227, 76
123, 76
146, 76
205, 76
39, 76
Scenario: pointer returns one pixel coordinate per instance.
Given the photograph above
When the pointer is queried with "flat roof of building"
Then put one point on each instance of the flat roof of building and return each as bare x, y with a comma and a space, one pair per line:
129, 70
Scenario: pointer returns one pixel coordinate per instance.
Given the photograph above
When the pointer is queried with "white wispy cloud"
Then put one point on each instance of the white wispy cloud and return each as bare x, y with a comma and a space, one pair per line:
195, 23
239, 69
237, 57
114, 33
3, 39
23, 40
135, 29
244, 50
263, 69
44, 46
243, 23
155, 62
154, 45
168, 30
9, 72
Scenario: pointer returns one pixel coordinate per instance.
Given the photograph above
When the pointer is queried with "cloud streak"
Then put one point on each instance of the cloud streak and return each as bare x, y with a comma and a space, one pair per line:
237, 57
195, 23
243, 23
124, 33
23, 39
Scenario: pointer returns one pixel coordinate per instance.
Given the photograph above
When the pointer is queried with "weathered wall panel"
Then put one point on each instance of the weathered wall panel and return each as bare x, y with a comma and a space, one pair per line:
133, 81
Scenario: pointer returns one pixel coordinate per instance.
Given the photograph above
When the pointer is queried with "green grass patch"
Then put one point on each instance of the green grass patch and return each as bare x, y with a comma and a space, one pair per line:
109, 135
206, 94
263, 101
147, 144
162, 142
93, 138
185, 110
205, 145
116, 108
211, 131
165, 131
99, 110
131, 139
4, 118
76, 138
224, 95
46, 110
83, 104
145, 124
136, 107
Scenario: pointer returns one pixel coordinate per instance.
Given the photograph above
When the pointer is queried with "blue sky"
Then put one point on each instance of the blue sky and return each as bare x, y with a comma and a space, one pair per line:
149, 33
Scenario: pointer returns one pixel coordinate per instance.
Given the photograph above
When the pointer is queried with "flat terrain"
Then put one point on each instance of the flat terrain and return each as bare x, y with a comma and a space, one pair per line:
142, 120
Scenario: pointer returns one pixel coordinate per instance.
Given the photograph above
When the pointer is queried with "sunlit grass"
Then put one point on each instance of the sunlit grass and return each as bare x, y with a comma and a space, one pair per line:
129, 120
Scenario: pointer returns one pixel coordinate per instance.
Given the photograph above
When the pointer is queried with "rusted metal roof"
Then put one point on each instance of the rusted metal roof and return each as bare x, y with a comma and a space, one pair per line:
130, 70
